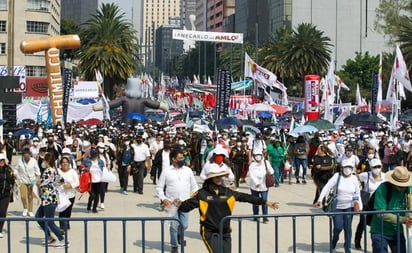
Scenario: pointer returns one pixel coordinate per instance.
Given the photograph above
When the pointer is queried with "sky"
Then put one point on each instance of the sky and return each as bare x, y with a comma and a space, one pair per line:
125, 6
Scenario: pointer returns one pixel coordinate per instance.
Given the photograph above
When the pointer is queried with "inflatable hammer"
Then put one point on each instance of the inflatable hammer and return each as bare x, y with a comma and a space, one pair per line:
51, 46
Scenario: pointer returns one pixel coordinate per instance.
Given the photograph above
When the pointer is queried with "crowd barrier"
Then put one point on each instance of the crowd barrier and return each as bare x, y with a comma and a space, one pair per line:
300, 232
288, 235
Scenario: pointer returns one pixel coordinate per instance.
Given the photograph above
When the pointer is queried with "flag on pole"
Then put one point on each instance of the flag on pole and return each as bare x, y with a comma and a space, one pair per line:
391, 92
379, 97
39, 114
402, 73
331, 81
49, 122
106, 108
292, 124
358, 96
209, 81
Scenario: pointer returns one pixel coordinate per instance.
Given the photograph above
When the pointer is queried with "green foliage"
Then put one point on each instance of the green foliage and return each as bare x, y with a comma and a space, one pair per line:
233, 58
69, 26
109, 44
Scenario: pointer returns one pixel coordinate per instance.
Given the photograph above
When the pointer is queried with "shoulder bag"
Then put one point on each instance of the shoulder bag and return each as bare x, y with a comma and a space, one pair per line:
270, 180
331, 200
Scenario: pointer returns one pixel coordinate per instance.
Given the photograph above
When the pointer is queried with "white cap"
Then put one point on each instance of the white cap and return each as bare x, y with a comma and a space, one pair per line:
375, 162
347, 163
219, 150
66, 151
10, 133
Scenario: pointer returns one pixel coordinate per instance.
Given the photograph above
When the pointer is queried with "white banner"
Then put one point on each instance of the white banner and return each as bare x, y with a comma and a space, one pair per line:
208, 36
18, 71
85, 89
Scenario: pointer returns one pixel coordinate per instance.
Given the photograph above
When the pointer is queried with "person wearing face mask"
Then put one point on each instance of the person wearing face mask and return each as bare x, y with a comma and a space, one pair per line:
238, 156
180, 183
364, 165
27, 173
208, 149
370, 180
349, 156
35, 148
220, 157
301, 151
215, 201
103, 156
124, 161
141, 164
322, 166
7, 181
388, 154
348, 200
257, 173
398, 186
96, 167
161, 161
276, 155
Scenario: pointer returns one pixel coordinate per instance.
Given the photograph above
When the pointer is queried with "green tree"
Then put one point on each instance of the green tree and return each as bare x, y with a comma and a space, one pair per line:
109, 44
233, 58
69, 26
404, 38
390, 15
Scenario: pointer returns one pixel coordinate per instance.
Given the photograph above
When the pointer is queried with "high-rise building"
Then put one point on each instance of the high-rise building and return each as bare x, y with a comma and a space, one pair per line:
211, 13
78, 10
41, 19
167, 49
349, 24
188, 7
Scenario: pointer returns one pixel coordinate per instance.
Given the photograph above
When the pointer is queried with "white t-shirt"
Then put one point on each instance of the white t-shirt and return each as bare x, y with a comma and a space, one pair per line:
372, 185
141, 152
96, 172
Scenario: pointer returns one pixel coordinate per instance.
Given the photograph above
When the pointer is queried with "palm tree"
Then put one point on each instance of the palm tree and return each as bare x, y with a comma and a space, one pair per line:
294, 54
109, 44
404, 38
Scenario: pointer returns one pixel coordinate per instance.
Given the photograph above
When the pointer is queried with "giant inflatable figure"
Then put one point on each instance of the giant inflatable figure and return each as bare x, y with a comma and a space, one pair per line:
51, 46
133, 101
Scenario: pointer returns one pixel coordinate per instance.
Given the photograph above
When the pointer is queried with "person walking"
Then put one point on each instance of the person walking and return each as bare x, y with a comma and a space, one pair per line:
161, 161
6, 187
142, 163
301, 151
276, 155
348, 200
391, 195
238, 156
124, 164
180, 184
215, 202
27, 172
322, 166
257, 172
49, 196
71, 182
96, 167
370, 180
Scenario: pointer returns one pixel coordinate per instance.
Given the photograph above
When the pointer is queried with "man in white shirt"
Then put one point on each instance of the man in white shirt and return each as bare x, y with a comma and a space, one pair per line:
141, 163
27, 172
180, 183
348, 156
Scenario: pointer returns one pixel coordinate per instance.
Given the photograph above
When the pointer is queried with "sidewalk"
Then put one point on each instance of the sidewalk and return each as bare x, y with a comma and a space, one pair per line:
293, 198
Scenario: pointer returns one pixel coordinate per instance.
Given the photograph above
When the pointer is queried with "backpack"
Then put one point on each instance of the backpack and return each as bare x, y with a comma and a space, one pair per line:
371, 202
85, 182
127, 157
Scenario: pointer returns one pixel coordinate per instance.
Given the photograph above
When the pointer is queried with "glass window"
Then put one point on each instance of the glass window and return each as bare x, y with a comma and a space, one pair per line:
36, 70
41, 5
37, 27
3, 26
3, 4
2, 48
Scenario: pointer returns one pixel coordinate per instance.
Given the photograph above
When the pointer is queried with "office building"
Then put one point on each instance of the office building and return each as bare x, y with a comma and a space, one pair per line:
79, 10
167, 49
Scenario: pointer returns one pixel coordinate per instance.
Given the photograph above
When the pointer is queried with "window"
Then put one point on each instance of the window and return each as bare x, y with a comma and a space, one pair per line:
3, 4
2, 48
40, 5
36, 71
37, 27
3, 26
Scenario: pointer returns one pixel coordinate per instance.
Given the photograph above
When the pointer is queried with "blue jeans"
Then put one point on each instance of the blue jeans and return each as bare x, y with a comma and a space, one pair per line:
380, 243
175, 227
48, 212
277, 174
342, 222
304, 163
264, 196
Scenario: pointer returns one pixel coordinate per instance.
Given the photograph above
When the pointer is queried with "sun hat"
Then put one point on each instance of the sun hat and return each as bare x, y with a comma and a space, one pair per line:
214, 170
400, 176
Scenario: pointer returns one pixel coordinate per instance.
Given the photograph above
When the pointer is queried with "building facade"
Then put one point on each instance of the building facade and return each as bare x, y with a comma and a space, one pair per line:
349, 24
210, 14
29, 19
167, 49
79, 10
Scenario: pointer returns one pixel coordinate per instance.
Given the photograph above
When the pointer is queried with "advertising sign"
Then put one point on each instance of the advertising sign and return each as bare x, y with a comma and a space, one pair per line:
85, 89
220, 37
37, 87
312, 98
19, 71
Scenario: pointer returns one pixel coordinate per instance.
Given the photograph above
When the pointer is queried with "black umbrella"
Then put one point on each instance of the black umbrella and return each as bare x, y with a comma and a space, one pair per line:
362, 119
229, 121
23, 131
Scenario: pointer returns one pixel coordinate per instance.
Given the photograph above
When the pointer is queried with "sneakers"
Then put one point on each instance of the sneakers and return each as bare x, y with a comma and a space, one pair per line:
50, 241
25, 212
101, 205
265, 220
31, 214
59, 244
174, 250
297, 181
124, 192
304, 181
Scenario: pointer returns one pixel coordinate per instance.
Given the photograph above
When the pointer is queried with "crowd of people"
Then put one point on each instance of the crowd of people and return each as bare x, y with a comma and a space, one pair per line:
351, 160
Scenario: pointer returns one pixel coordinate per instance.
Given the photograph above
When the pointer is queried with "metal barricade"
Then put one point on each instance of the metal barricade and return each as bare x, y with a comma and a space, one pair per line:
90, 230
289, 234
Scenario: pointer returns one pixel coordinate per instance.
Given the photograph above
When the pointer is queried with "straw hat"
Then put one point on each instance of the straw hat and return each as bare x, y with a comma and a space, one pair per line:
215, 170
400, 176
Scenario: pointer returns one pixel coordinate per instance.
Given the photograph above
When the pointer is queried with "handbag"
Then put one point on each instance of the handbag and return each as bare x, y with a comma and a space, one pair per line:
331, 201
270, 180
64, 201
365, 195
108, 176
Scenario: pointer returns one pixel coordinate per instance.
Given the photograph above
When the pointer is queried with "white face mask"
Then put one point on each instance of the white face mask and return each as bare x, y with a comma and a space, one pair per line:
347, 171
258, 158
101, 150
376, 171
126, 143
389, 145
371, 156
238, 144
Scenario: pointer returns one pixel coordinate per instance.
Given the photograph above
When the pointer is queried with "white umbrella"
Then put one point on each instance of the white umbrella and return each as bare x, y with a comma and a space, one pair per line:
260, 107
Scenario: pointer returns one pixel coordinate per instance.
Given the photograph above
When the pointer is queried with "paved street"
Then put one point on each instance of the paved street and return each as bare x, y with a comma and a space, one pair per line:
293, 198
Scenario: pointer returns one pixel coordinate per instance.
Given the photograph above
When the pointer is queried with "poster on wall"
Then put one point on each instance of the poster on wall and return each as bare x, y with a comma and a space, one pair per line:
19, 71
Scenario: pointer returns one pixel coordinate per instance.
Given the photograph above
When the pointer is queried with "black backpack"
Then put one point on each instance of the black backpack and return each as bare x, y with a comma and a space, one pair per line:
371, 202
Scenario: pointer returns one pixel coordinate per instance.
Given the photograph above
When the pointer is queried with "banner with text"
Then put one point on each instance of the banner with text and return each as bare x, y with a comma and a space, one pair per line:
67, 84
221, 37
223, 93
19, 71
85, 89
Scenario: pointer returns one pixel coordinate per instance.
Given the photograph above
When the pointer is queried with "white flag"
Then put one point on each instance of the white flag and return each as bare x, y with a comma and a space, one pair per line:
358, 96
331, 81
379, 97
261, 75
391, 92
402, 73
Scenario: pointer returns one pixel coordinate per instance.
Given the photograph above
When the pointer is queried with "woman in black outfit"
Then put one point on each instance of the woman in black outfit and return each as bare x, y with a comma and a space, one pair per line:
6, 186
